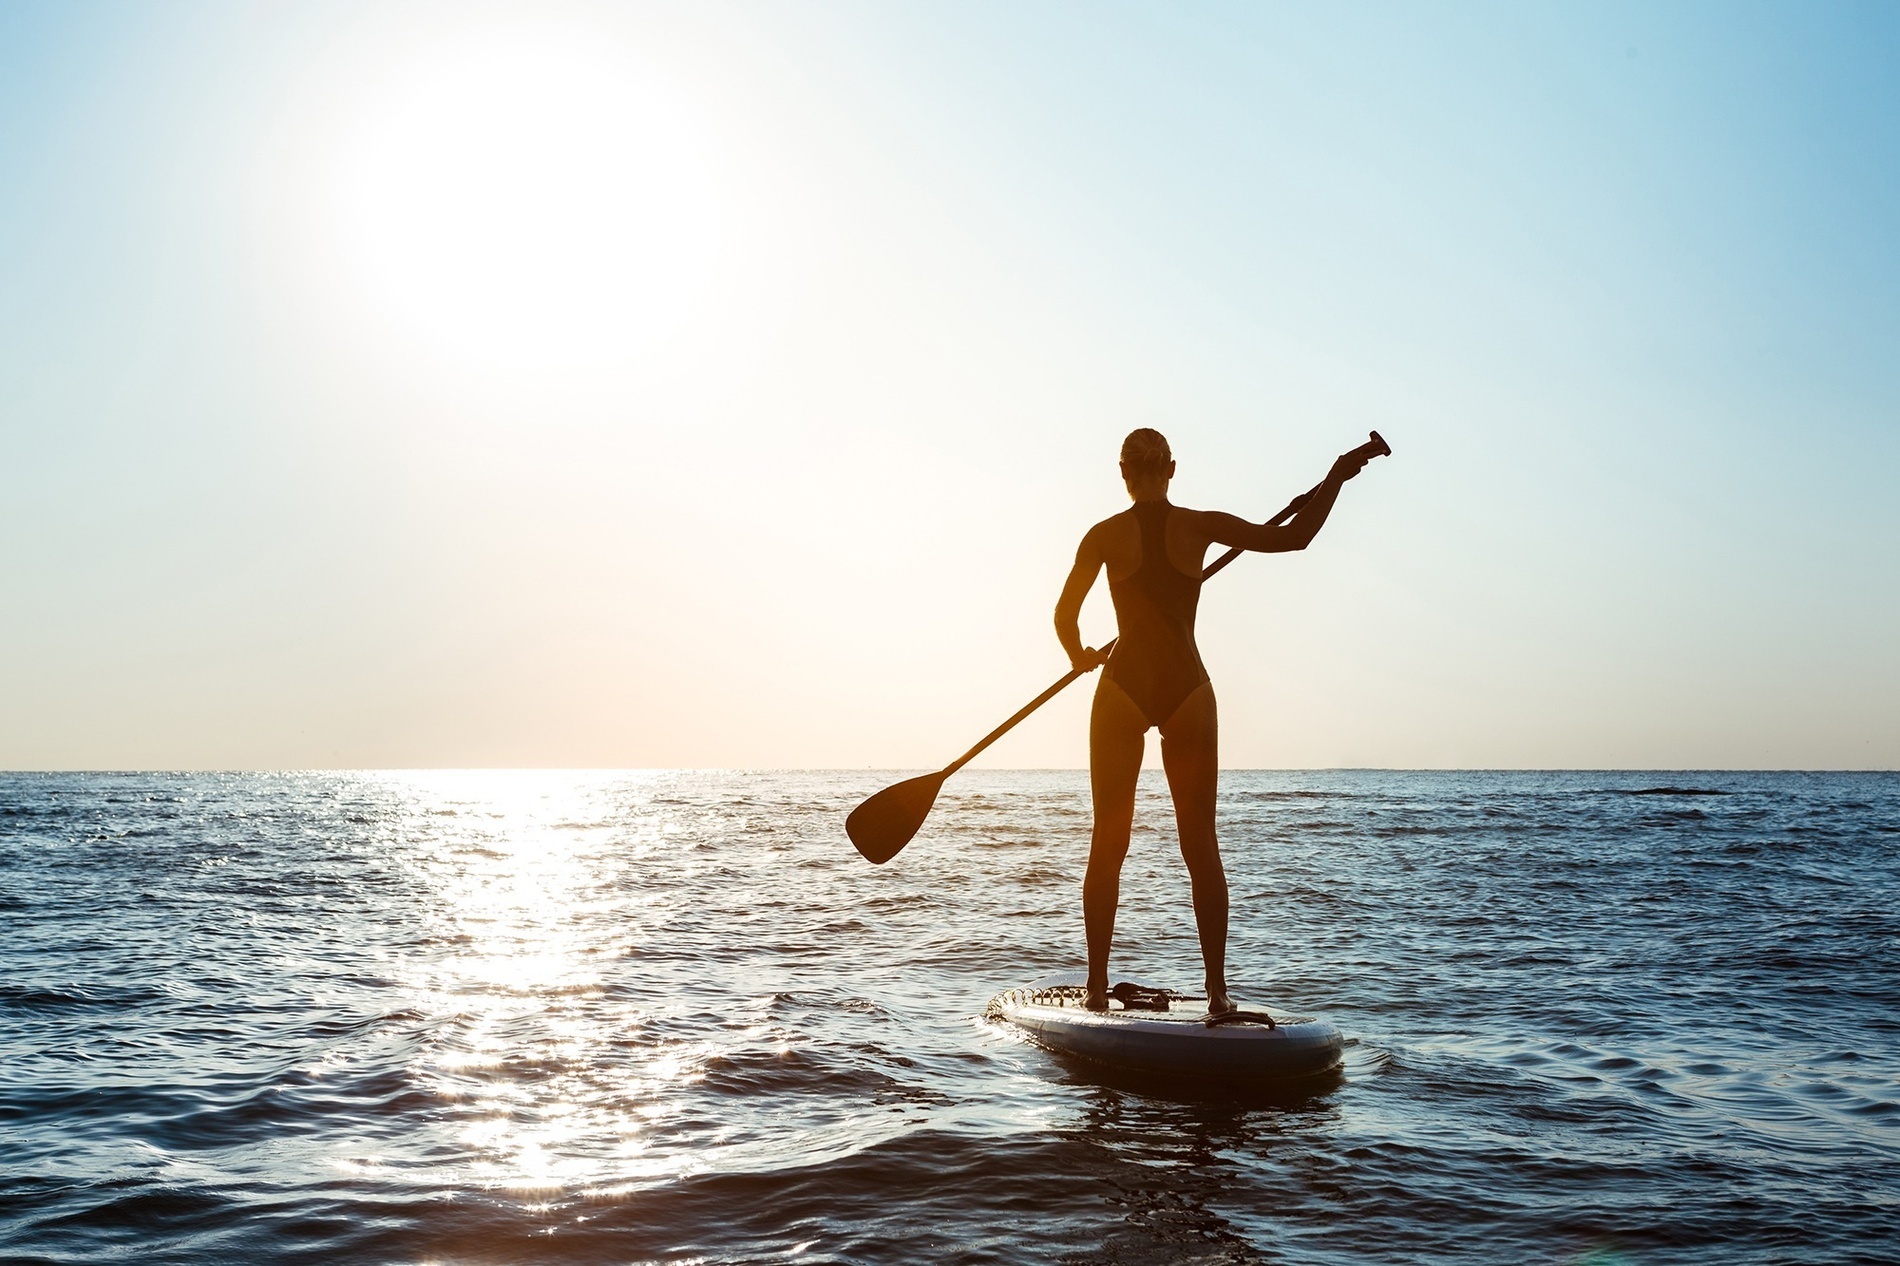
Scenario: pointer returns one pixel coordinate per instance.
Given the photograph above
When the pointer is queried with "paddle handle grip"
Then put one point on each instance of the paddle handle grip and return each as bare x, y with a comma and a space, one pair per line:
1375, 447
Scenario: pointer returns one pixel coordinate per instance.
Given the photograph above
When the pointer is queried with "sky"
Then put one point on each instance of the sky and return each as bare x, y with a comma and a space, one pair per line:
711, 384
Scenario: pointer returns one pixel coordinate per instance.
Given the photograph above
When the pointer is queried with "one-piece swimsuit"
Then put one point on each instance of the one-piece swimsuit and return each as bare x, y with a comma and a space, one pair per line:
1155, 660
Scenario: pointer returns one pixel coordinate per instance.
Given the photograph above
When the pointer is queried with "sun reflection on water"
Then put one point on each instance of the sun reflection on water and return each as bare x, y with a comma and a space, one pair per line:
535, 880
622, 981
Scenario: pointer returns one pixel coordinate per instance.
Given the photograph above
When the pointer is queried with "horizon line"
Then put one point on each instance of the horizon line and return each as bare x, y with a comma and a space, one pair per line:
901, 770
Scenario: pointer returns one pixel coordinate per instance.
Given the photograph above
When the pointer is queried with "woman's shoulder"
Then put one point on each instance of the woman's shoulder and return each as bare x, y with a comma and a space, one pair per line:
1190, 518
1114, 537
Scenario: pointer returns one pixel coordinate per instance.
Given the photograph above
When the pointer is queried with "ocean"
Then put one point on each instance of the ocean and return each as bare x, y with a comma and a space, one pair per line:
482, 1017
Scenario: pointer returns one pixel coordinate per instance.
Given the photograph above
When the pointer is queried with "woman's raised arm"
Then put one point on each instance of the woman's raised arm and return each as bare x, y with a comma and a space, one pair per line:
1298, 532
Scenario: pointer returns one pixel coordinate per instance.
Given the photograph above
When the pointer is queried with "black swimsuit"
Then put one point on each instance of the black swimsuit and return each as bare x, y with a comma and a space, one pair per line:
1155, 660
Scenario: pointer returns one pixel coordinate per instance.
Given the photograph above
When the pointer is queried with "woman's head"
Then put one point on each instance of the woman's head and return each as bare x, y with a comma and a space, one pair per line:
1147, 463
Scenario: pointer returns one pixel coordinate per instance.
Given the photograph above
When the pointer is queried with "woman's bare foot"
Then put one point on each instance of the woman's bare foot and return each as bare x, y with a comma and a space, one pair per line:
1098, 997
1219, 1002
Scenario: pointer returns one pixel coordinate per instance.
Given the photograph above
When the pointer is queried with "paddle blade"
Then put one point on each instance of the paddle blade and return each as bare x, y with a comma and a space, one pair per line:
884, 824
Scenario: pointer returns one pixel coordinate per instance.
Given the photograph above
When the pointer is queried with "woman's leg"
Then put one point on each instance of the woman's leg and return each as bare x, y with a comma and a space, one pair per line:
1117, 734
1190, 752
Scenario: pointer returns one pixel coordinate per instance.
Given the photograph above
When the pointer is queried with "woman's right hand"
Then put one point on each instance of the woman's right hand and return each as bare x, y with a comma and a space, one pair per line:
1347, 465
1088, 660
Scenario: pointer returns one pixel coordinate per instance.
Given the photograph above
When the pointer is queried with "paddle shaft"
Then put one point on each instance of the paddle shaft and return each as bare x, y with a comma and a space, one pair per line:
1292, 508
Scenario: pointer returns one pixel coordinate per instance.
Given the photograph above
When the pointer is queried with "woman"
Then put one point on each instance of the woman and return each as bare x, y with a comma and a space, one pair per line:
1154, 552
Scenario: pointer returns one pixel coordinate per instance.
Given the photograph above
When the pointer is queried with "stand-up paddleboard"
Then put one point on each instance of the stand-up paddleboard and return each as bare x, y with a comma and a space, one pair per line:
1155, 1030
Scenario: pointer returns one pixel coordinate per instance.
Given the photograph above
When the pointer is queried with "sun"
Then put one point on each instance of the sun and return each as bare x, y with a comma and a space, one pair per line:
524, 199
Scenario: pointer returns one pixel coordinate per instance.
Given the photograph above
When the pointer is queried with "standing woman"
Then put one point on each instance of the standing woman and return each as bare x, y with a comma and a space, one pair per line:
1154, 552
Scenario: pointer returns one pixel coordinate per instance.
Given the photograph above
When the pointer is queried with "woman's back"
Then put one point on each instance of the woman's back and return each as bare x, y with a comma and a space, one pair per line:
1156, 661
1119, 540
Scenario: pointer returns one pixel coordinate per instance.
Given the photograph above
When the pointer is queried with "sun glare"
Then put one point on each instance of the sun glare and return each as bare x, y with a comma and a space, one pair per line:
525, 200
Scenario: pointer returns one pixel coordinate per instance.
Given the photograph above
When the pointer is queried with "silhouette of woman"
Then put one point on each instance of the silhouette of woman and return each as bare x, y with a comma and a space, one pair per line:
1154, 552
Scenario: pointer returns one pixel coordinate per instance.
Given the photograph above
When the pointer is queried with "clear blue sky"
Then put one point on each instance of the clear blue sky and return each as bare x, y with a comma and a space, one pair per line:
703, 384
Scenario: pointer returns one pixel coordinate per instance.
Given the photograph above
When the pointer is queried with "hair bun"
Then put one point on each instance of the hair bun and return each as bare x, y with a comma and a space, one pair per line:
1146, 449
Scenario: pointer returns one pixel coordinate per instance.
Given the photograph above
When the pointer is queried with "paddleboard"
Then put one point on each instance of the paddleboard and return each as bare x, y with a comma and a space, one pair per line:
1179, 1039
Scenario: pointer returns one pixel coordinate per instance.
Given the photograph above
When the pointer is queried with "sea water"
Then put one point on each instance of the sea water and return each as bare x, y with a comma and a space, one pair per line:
672, 1017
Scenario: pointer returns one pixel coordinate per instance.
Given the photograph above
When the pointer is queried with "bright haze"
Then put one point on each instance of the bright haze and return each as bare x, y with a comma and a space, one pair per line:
729, 385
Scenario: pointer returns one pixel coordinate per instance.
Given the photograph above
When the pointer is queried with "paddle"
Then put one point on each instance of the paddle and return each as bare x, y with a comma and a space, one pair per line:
882, 825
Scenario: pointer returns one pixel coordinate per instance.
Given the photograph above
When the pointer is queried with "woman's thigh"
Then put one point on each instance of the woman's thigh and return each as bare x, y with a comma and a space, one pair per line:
1117, 737
1190, 752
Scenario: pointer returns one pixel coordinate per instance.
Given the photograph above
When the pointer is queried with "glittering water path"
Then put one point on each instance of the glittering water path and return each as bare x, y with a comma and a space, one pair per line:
672, 1016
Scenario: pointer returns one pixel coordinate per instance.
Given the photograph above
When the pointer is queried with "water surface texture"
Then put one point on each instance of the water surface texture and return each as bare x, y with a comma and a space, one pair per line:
671, 1017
